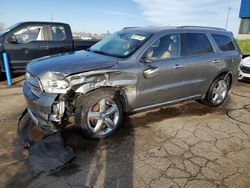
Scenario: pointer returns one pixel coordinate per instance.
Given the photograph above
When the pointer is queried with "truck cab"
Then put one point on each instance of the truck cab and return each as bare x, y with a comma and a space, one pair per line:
26, 41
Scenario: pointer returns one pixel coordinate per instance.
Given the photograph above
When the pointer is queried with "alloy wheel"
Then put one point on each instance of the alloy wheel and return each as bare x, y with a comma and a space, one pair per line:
219, 92
103, 117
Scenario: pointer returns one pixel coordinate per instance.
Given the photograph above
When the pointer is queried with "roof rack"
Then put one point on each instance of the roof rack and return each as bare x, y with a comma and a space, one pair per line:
202, 27
129, 28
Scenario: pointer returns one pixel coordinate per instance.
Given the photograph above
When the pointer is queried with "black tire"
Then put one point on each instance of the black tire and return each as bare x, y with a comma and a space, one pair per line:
208, 100
86, 102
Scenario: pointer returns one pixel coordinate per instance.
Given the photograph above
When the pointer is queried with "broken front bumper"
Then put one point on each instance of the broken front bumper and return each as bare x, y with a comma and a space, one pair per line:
40, 108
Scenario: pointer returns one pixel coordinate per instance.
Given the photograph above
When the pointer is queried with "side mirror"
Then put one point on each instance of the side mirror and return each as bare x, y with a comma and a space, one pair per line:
12, 39
145, 60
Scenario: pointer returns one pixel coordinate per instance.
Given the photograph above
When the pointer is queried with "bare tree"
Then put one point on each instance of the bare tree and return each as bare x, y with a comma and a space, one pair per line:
1, 26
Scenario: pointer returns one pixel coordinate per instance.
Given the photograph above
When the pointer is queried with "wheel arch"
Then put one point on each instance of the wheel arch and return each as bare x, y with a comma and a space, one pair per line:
117, 90
221, 73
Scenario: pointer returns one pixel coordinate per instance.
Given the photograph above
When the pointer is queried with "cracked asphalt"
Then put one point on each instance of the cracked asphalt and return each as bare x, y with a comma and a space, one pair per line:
185, 145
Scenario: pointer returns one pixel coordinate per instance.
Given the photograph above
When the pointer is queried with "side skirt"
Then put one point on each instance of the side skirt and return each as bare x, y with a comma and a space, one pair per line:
153, 106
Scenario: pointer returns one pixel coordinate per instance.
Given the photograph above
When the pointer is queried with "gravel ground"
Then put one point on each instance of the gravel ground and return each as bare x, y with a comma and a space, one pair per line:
185, 145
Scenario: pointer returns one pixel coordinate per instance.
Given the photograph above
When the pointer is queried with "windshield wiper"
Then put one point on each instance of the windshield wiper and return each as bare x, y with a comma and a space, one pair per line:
99, 52
108, 54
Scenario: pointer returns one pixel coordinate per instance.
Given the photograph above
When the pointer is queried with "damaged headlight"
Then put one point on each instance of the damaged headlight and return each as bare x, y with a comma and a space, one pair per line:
55, 83
57, 86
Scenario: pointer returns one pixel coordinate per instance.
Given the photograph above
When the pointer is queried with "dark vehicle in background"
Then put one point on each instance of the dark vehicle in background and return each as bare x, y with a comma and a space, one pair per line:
26, 41
132, 70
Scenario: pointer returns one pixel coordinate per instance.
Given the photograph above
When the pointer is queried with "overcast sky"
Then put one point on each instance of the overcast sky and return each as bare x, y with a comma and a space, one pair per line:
98, 16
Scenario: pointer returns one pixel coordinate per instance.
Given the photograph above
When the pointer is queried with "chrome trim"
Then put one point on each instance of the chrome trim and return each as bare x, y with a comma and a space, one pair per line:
178, 66
151, 72
33, 82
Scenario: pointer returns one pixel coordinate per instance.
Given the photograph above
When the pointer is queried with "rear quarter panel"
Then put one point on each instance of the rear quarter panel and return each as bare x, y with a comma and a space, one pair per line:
230, 60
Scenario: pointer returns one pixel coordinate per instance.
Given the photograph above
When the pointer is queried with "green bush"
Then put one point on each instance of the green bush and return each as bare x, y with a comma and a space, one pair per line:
244, 46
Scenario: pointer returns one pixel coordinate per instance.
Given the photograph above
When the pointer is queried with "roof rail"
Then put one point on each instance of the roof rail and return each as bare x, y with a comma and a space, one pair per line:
202, 27
129, 28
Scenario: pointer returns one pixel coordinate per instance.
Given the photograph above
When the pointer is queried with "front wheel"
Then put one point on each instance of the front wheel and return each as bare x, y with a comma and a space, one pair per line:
217, 92
99, 114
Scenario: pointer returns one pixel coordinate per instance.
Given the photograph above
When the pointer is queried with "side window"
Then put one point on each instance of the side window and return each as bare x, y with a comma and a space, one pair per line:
195, 44
165, 47
30, 33
224, 43
58, 33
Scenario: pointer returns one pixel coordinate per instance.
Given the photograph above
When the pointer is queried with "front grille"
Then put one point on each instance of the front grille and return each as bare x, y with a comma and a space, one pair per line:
33, 83
245, 69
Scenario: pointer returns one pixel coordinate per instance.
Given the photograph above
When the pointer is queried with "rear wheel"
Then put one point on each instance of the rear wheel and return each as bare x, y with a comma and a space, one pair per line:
99, 113
217, 92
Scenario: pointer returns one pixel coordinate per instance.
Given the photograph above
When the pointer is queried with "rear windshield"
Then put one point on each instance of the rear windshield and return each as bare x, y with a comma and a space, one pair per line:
121, 44
225, 43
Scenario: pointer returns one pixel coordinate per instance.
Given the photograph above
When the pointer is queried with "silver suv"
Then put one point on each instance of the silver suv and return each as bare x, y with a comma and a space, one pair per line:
132, 70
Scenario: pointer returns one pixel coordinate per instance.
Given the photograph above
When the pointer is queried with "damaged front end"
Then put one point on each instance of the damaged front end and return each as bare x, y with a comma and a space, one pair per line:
46, 109
53, 84
52, 98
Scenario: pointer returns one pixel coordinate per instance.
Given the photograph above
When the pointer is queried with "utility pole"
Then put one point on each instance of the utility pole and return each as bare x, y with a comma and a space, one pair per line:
51, 18
228, 14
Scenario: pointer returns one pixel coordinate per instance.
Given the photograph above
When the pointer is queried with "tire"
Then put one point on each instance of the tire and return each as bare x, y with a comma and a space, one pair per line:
219, 88
93, 113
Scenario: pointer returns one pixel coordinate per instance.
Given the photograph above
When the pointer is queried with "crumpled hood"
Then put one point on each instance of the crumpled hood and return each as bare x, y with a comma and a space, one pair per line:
246, 61
70, 63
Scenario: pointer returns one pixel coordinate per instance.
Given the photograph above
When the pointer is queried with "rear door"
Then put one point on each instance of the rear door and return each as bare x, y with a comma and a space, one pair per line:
60, 39
31, 43
229, 51
200, 60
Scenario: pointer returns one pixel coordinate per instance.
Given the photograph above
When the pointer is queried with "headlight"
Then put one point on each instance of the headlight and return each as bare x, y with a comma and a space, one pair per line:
57, 86
55, 82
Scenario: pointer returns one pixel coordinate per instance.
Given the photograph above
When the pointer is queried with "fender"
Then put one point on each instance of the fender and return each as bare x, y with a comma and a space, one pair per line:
124, 83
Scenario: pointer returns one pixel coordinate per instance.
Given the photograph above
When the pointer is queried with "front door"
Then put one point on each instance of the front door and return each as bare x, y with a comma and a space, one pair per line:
161, 75
30, 44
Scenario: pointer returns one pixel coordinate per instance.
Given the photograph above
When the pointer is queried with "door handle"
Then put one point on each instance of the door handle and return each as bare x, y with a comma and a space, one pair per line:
178, 66
44, 47
151, 72
216, 61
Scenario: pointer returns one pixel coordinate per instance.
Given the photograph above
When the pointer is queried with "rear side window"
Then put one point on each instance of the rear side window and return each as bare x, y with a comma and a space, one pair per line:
225, 43
195, 44
58, 33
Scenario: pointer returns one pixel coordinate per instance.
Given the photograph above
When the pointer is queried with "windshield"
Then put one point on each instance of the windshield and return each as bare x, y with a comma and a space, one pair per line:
8, 29
121, 44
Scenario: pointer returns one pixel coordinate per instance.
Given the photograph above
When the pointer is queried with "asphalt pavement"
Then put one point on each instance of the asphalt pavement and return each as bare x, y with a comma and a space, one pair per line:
185, 145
